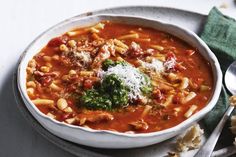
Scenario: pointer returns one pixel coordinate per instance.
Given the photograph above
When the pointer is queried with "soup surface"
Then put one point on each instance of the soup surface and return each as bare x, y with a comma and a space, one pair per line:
119, 77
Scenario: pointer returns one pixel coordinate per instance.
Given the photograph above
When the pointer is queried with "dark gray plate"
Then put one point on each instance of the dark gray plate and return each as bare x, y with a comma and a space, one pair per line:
186, 19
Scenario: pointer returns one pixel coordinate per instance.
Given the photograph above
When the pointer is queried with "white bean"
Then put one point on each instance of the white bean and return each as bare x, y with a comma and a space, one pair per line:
44, 69
68, 110
31, 84
47, 58
30, 91
62, 103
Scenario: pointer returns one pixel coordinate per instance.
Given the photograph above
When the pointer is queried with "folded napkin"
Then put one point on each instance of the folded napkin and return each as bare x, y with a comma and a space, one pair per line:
220, 35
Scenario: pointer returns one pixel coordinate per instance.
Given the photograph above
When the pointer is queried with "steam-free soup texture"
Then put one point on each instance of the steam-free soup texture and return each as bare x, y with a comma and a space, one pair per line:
119, 77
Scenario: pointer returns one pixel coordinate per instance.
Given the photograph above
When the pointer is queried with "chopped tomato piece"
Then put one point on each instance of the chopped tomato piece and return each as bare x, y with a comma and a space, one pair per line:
55, 42
88, 84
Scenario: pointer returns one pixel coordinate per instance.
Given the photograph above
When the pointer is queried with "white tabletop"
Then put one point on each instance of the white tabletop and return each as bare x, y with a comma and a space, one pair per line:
21, 22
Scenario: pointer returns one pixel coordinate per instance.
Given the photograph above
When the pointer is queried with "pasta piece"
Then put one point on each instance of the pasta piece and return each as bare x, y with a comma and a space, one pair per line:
142, 35
168, 101
45, 102
76, 32
184, 83
54, 87
31, 66
72, 72
154, 83
172, 77
119, 59
120, 44
157, 47
158, 55
86, 73
161, 58
70, 120
146, 110
32, 63
30, 70
143, 39
190, 111
165, 86
31, 84
177, 110
63, 48
190, 140
99, 26
193, 85
95, 36
48, 65
62, 103
204, 88
120, 50
72, 33
189, 97
51, 115
129, 36
65, 78
42, 101
72, 43
55, 57
94, 30
30, 91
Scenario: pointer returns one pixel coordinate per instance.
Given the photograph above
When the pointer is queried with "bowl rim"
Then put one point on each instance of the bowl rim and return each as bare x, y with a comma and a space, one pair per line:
192, 119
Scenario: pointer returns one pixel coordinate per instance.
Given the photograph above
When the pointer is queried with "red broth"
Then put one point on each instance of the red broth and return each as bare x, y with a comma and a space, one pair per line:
59, 75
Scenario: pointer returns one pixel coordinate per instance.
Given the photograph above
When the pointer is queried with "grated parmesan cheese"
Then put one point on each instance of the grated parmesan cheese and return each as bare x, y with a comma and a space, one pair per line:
130, 76
85, 56
156, 65
170, 64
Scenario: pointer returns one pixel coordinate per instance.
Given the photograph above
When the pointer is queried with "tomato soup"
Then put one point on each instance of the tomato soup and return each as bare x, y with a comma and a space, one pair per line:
119, 77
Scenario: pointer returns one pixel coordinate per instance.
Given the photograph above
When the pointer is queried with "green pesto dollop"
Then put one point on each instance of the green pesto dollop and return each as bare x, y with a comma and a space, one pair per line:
110, 94
114, 91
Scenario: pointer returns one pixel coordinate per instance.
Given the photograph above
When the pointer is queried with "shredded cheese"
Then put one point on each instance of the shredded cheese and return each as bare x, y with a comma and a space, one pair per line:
85, 56
156, 65
130, 76
170, 64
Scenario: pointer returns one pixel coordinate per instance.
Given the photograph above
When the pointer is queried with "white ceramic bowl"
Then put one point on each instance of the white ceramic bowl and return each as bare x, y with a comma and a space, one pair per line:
104, 138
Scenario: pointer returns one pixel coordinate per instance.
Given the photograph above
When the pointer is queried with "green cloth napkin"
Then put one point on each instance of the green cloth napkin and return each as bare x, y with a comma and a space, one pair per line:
220, 35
